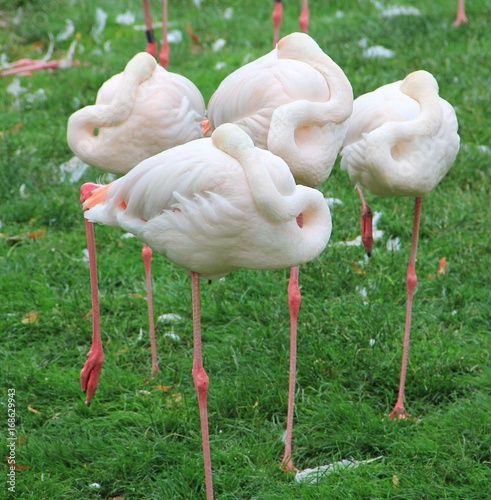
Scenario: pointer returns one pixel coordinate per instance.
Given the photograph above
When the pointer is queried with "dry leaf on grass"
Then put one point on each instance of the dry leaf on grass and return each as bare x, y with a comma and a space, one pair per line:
37, 412
31, 318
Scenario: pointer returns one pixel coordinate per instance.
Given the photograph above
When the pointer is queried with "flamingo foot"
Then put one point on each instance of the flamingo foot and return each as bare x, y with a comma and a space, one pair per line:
399, 413
164, 55
460, 19
287, 466
91, 372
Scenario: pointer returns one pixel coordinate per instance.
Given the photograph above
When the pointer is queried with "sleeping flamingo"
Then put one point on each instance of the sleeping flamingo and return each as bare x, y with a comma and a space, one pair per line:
401, 141
212, 206
137, 113
295, 102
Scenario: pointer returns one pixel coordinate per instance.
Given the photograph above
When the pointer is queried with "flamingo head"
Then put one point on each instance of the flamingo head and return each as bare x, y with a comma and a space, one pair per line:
418, 82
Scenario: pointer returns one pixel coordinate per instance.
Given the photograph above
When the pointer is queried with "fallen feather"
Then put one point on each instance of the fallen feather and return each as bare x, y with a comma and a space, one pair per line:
377, 233
174, 36
126, 19
73, 169
400, 10
169, 317
363, 292
351, 243
38, 96
219, 44
100, 22
394, 244
51, 47
484, 149
4, 61
67, 32
85, 257
332, 202
313, 476
15, 88
378, 52
173, 336
18, 17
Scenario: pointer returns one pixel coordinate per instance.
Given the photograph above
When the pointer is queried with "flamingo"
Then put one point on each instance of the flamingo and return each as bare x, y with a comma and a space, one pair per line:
401, 141
303, 20
461, 18
138, 113
212, 206
294, 101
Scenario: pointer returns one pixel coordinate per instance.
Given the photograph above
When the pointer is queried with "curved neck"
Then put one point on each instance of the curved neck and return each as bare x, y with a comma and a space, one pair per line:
273, 205
427, 123
83, 123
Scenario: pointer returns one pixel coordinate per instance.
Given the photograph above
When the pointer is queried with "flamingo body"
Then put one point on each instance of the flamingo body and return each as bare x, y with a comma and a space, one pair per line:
402, 138
195, 205
138, 113
294, 101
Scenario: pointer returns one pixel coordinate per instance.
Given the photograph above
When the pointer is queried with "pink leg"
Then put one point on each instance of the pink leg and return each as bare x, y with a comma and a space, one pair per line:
303, 21
201, 383
91, 371
399, 411
461, 17
366, 223
294, 301
151, 42
147, 260
164, 55
277, 18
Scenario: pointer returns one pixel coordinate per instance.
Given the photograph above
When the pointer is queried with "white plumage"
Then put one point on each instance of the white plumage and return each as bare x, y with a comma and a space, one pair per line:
294, 101
212, 206
402, 138
137, 114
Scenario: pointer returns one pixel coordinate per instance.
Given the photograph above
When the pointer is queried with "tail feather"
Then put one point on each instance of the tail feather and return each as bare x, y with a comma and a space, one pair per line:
98, 196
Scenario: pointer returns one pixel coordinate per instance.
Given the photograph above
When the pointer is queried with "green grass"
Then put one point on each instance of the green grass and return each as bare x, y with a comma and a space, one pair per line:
139, 442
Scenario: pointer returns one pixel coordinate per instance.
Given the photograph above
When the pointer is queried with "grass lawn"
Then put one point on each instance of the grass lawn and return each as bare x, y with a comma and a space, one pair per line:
141, 438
